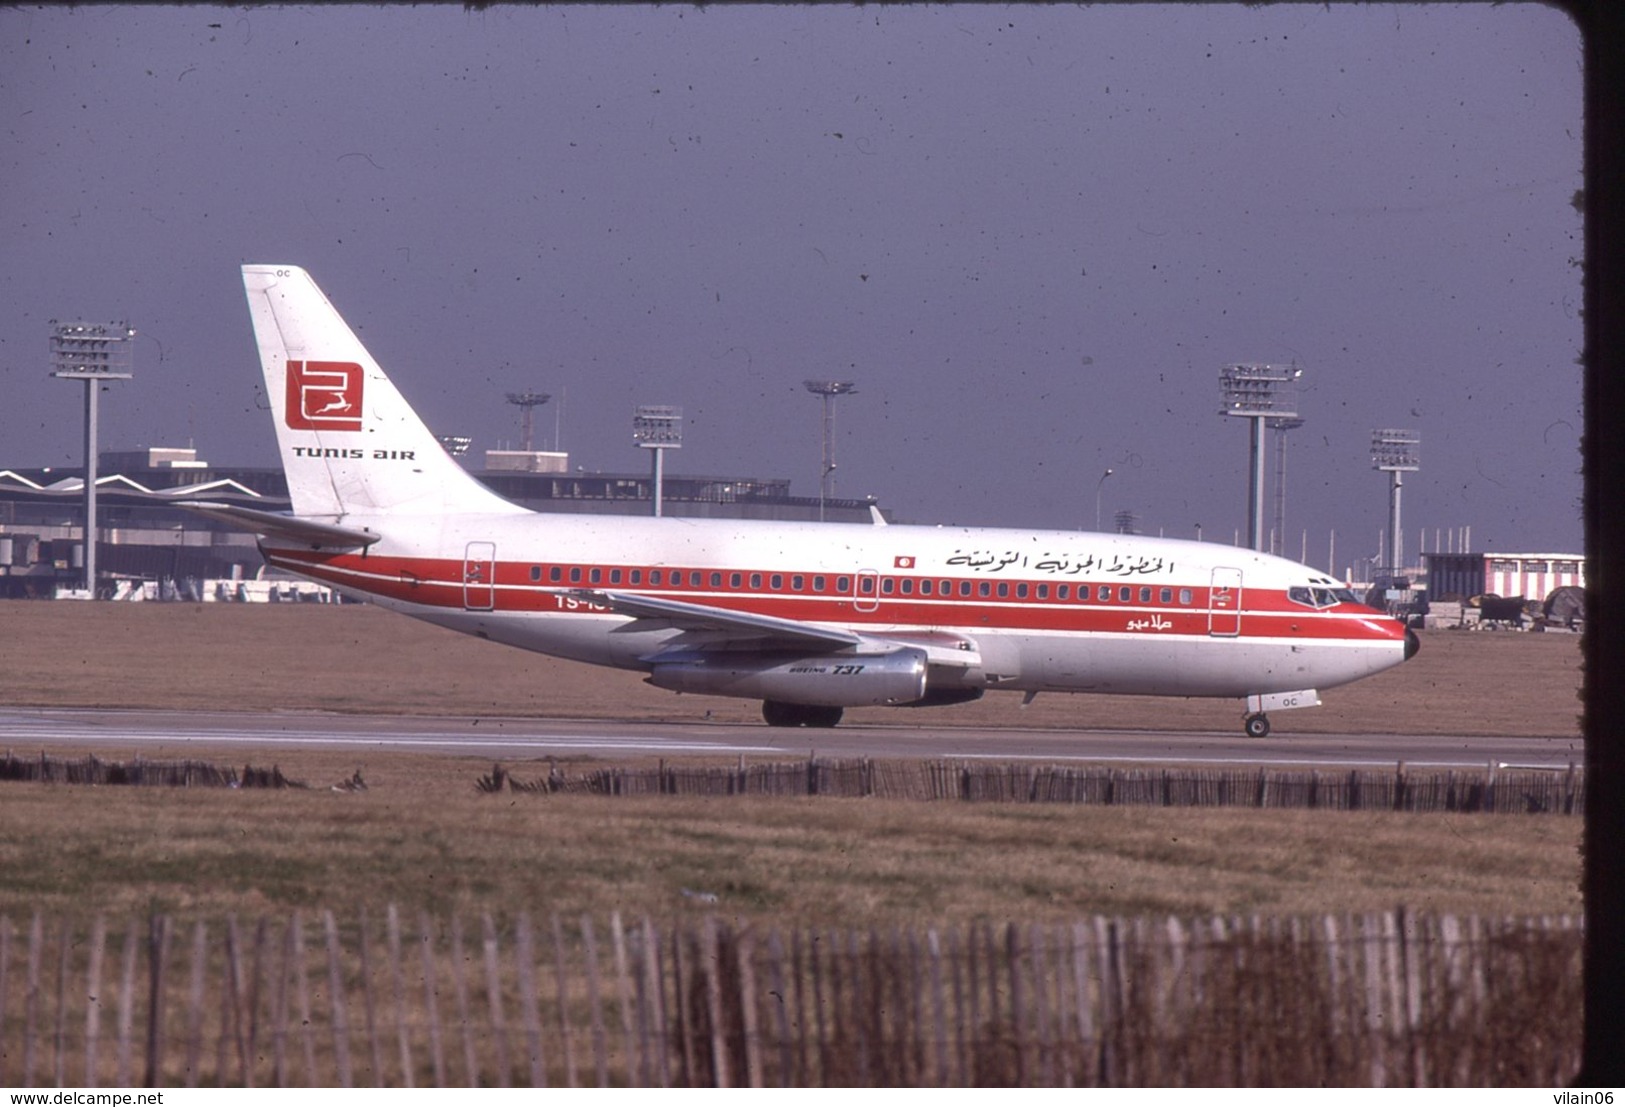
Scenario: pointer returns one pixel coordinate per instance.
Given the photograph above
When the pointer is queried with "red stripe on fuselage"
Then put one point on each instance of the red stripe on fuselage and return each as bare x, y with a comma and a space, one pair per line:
1148, 609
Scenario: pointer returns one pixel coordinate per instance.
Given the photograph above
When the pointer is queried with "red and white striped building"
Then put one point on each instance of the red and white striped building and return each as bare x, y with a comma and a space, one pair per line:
1531, 575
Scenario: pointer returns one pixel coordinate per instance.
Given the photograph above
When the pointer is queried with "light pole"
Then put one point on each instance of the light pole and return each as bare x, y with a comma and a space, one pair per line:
1280, 427
1395, 452
528, 402
1258, 393
828, 390
1099, 484
93, 353
658, 428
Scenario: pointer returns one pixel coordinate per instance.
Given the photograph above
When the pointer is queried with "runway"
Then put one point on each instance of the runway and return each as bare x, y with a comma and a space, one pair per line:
128, 733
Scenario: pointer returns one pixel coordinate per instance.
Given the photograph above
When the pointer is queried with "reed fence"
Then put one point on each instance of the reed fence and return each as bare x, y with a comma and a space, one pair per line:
172, 774
307, 1000
1492, 790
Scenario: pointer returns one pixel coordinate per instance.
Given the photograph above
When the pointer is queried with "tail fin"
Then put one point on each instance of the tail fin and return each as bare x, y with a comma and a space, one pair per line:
350, 443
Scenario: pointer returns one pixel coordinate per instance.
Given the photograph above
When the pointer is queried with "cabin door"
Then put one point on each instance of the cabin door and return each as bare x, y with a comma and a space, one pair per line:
866, 590
479, 576
1224, 603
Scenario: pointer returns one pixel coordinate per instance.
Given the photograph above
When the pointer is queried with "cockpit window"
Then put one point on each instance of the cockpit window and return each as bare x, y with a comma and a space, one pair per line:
1320, 597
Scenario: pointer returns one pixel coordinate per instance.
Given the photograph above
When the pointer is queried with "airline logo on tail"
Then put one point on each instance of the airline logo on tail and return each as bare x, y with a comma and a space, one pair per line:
324, 395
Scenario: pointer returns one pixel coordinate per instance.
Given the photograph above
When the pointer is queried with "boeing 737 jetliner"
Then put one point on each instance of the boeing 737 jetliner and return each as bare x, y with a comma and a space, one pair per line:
809, 618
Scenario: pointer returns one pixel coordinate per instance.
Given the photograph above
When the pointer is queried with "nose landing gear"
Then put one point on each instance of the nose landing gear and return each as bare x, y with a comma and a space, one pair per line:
1257, 723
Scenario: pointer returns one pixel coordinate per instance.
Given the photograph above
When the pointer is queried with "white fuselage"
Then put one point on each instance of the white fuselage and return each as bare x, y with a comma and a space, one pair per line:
1040, 611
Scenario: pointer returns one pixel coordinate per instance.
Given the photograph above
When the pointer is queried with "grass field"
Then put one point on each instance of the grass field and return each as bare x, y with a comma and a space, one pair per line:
422, 837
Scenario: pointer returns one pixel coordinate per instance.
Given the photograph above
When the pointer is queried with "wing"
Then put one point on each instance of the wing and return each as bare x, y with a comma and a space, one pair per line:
741, 627
721, 628
289, 528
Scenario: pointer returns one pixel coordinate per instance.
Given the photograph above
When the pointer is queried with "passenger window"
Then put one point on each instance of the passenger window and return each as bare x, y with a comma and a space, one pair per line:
1062, 591
1145, 595
1043, 591
735, 579
1125, 594
776, 582
575, 574
636, 576
818, 584
595, 575
1185, 595
886, 586
1021, 591
866, 585
964, 588
1104, 593
985, 588
716, 580
947, 588
925, 588
555, 574
756, 580
536, 573
797, 583
843, 585
907, 587
1165, 596
615, 576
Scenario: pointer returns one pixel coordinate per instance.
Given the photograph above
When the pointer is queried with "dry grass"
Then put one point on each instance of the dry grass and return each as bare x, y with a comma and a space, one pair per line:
360, 658
422, 837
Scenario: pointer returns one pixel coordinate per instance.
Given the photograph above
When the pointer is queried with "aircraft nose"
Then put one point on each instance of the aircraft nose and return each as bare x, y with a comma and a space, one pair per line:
1412, 643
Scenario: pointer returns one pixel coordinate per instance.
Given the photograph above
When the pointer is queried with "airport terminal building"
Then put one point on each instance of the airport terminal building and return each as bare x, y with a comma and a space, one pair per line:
148, 542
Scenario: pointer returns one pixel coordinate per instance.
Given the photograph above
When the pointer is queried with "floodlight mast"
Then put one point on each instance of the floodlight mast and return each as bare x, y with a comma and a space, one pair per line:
1258, 392
1395, 452
828, 390
528, 402
457, 445
93, 353
658, 428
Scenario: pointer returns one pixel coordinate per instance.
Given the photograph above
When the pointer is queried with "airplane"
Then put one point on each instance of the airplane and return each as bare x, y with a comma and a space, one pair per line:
810, 618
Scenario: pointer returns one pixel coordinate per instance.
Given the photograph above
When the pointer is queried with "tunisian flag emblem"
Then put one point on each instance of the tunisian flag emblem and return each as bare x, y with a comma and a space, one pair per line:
903, 562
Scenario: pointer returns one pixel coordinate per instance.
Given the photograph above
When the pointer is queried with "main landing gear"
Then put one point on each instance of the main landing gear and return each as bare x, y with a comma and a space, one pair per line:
1258, 725
776, 713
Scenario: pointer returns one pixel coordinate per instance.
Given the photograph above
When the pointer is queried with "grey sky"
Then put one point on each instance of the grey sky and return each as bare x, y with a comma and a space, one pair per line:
1032, 235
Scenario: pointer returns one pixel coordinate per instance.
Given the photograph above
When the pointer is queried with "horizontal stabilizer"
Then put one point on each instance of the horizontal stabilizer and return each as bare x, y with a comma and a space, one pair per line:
290, 528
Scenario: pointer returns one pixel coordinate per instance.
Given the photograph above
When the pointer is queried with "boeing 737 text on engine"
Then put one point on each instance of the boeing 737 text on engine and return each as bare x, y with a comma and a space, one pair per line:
809, 618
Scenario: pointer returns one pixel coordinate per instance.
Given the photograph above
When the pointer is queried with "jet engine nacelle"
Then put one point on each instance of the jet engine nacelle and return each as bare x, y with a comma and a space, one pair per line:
844, 680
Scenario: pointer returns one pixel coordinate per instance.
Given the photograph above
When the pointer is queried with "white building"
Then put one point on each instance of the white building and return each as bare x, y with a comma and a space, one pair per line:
1531, 575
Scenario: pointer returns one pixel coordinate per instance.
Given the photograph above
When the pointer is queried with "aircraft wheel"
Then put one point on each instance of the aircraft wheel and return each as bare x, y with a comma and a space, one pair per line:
823, 717
777, 713
1258, 726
